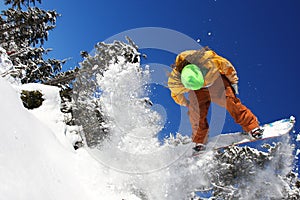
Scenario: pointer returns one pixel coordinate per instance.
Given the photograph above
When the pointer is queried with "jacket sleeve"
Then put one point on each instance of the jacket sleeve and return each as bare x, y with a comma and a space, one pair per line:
179, 99
177, 89
226, 68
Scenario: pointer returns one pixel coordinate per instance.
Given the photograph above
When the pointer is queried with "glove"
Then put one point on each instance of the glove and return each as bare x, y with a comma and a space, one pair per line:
235, 88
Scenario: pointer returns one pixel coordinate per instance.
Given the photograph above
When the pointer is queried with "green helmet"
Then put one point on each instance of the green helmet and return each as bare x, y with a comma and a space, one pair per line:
191, 77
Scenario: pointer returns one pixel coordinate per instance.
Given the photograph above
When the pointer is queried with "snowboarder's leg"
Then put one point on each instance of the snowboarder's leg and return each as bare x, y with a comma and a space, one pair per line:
198, 109
240, 113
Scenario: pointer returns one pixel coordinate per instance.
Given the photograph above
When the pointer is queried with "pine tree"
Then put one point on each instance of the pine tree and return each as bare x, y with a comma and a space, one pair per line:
87, 110
23, 32
20, 32
18, 3
246, 173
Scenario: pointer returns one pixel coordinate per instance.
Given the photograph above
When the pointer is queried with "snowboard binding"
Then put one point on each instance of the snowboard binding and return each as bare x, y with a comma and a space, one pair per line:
257, 133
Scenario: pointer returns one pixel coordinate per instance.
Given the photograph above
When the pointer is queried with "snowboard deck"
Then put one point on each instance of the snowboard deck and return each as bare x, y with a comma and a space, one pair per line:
273, 130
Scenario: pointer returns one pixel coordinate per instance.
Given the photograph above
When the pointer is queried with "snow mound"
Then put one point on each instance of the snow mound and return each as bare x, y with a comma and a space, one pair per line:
33, 162
50, 113
36, 165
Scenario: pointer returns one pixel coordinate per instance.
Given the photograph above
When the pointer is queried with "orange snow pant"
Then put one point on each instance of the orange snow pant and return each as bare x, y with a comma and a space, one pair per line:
223, 95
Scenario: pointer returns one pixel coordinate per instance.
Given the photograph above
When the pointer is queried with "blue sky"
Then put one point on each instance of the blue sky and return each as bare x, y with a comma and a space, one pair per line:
260, 38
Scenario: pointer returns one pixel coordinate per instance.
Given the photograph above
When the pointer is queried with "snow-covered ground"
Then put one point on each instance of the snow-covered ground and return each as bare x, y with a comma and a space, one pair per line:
36, 163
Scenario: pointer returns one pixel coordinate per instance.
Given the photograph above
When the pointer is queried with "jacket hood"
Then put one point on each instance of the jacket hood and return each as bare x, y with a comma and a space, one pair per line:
197, 57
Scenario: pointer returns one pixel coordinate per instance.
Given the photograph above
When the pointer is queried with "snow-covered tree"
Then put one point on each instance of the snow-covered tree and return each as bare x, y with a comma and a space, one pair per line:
18, 3
88, 111
246, 173
21, 30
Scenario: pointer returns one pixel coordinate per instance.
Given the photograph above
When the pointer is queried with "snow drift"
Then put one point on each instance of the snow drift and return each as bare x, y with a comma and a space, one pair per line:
34, 165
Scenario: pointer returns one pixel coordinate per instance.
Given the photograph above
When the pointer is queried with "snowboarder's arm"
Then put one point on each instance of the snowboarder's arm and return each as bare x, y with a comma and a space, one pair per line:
226, 68
180, 99
177, 88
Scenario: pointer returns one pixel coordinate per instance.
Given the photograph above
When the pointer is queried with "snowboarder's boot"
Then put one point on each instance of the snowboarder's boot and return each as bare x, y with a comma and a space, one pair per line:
257, 133
198, 149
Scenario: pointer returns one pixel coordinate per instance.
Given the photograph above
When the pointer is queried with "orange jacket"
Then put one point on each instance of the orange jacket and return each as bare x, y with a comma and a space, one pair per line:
214, 65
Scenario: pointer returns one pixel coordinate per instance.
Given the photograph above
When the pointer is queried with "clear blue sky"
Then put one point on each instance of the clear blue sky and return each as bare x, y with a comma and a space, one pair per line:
260, 37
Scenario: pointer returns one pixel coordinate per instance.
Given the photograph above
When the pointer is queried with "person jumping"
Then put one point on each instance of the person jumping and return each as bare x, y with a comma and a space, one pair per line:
208, 77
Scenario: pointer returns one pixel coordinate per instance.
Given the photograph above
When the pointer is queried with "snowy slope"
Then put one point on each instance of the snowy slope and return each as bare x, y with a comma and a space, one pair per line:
49, 113
35, 165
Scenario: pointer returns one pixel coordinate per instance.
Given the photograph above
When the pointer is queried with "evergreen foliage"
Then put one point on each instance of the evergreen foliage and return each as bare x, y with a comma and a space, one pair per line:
18, 3
244, 172
32, 99
21, 30
87, 110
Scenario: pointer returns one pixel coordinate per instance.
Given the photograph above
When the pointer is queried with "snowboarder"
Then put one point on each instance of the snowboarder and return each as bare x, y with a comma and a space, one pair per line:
208, 77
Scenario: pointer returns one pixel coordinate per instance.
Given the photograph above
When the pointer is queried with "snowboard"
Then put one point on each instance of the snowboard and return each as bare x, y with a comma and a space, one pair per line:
273, 132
